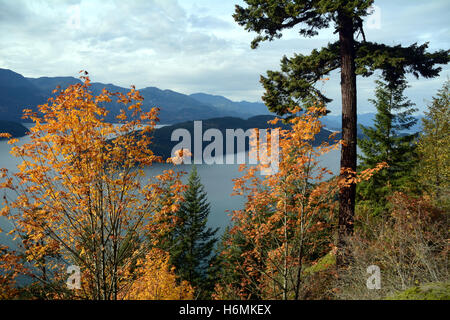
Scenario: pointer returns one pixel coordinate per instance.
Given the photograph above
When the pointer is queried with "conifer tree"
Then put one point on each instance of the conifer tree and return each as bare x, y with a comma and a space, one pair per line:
434, 148
296, 81
192, 241
387, 141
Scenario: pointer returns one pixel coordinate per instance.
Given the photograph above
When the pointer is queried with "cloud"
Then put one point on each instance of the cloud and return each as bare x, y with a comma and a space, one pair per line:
208, 22
187, 45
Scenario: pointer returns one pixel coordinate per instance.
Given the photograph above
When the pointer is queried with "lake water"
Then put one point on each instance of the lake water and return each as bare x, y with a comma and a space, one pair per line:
217, 179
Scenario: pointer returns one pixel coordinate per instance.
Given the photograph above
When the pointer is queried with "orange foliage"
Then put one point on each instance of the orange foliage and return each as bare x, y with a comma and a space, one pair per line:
283, 212
79, 195
10, 267
156, 280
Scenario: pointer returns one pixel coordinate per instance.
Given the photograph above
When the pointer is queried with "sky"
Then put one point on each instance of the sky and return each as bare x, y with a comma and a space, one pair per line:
194, 45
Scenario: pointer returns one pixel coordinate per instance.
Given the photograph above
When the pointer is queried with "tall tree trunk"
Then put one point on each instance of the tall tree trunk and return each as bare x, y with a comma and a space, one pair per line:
348, 151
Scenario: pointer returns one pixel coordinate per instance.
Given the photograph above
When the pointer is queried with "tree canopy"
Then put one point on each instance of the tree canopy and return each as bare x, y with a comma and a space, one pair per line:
352, 54
388, 140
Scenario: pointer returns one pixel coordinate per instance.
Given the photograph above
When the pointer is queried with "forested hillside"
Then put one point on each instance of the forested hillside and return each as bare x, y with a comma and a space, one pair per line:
15, 129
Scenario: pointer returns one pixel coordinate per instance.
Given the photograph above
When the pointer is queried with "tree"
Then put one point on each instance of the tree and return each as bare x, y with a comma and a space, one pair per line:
388, 142
286, 222
229, 254
295, 82
192, 241
434, 148
10, 267
79, 197
156, 280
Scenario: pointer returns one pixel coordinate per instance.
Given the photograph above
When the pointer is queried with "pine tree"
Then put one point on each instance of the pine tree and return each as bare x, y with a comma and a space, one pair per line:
296, 80
386, 141
192, 241
434, 148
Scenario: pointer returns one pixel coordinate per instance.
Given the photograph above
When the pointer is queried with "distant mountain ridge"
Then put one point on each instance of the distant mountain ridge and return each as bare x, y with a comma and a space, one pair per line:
16, 130
18, 92
333, 122
222, 103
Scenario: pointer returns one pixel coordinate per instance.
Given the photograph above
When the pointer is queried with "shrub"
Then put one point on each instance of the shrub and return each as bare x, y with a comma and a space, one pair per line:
410, 247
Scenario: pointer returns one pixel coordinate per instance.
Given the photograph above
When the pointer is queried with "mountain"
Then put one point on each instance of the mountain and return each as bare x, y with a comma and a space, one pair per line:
222, 103
48, 84
174, 106
18, 92
16, 130
333, 122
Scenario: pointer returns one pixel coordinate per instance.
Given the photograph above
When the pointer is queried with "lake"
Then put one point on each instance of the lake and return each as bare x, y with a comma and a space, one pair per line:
217, 179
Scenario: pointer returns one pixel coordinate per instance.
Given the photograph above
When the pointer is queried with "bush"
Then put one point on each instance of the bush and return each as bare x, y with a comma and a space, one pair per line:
429, 291
410, 247
319, 278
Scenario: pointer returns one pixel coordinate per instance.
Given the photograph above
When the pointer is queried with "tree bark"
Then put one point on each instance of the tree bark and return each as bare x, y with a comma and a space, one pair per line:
349, 120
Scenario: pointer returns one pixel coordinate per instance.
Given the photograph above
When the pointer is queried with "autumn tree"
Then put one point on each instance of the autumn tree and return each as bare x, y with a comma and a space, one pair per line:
388, 141
10, 268
281, 228
296, 80
79, 196
434, 148
156, 280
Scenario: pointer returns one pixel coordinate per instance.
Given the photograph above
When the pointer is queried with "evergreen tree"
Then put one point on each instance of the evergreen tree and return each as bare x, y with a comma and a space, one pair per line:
434, 148
299, 74
388, 142
227, 285
192, 241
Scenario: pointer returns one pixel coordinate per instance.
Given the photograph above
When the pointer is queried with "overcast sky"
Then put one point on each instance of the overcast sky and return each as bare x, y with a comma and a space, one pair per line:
191, 45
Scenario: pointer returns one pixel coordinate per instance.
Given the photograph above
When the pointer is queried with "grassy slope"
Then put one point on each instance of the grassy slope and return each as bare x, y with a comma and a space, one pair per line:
428, 291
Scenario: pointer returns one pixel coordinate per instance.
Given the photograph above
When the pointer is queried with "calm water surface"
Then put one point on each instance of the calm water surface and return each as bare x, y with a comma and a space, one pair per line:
216, 178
